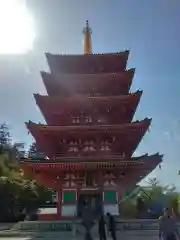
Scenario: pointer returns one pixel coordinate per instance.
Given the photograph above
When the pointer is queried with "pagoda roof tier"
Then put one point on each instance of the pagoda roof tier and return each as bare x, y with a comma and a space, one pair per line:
138, 126
144, 165
105, 83
50, 136
61, 107
91, 63
151, 162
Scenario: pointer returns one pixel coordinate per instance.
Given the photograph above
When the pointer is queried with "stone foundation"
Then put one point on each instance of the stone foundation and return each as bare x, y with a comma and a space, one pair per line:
122, 224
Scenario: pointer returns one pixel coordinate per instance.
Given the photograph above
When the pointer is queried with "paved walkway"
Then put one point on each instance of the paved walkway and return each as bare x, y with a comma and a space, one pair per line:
4, 226
16, 238
123, 236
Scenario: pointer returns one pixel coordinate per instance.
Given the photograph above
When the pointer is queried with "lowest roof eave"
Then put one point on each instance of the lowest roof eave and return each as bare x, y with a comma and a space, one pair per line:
146, 164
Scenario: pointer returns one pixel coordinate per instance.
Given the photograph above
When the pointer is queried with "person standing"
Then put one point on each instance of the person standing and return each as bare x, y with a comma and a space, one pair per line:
87, 220
167, 227
111, 226
101, 228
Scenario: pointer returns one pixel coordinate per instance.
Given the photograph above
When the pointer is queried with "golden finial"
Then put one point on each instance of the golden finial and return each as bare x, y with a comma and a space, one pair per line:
87, 39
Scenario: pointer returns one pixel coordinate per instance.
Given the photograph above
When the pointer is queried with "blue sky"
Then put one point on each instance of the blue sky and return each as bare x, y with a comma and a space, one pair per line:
149, 28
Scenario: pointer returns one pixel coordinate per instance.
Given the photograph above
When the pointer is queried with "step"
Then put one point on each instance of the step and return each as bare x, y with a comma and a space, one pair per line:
37, 234
65, 235
68, 226
74, 229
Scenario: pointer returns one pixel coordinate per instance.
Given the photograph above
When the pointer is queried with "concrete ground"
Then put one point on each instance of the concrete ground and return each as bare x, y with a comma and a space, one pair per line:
124, 238
121, 236
124, 235
15, 238
4, 226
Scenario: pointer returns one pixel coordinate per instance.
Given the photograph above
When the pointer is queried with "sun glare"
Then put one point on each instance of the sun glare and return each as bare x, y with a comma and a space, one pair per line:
17, 32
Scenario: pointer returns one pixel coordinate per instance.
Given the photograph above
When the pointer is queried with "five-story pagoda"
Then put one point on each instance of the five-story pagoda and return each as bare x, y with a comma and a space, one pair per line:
89, 137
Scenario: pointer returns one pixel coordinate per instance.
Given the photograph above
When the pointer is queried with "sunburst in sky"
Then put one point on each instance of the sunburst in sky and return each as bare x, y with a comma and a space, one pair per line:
17, 31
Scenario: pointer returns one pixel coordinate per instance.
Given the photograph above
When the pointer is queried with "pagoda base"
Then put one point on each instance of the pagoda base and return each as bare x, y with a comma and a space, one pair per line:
67, 211
70, 203
69, 225
53, 217
51, 225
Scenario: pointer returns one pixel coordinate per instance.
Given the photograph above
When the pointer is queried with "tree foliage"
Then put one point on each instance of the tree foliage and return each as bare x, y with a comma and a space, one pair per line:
150, 201
34, 152
157, 196
18, 194
5, 137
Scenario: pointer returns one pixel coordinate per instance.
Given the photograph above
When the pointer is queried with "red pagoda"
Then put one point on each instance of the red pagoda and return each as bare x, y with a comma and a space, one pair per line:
89, 138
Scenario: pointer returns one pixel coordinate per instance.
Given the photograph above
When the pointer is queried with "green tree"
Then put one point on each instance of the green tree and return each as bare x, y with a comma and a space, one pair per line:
17, 192
128, 208
5, 137
34, 152
157, 193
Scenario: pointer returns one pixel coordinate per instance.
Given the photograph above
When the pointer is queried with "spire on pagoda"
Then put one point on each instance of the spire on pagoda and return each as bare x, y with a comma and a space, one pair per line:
87, 39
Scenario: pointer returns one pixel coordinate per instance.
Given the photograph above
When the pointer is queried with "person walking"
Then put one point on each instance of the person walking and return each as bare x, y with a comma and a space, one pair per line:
167, 227
111, 226
101, 228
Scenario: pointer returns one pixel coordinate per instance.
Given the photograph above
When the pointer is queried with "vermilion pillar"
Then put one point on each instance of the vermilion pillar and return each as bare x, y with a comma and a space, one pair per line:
59, 204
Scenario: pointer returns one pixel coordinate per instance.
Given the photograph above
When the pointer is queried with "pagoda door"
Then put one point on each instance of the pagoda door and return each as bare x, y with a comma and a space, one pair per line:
93, 200
90, 195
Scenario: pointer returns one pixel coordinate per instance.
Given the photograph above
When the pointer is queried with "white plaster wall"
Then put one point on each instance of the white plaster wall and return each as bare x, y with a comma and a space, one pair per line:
68, 210
47, 211
111, 208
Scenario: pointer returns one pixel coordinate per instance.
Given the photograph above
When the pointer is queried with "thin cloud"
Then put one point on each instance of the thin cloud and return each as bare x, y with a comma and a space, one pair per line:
174, 132
168, 135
